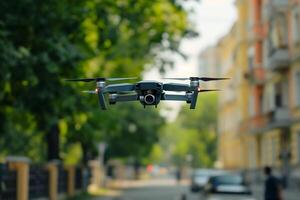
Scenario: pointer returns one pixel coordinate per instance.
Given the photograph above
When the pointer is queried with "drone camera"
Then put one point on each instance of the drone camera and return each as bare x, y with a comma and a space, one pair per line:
149, 99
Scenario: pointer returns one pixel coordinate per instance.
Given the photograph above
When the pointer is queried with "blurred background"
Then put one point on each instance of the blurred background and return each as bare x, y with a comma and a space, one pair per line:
55, 142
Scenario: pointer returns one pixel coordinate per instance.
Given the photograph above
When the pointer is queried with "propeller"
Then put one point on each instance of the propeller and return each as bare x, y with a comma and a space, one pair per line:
205, 90
197, 79
100, 79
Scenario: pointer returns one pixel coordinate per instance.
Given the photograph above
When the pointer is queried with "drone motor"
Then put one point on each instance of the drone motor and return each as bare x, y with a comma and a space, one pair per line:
113, 98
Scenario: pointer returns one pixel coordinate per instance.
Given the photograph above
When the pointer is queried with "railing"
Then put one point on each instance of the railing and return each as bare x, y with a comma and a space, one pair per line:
273, 7
279, 117
279, 59
62, 180
8, 183
256, 75
254, 124
22, 180
38, 181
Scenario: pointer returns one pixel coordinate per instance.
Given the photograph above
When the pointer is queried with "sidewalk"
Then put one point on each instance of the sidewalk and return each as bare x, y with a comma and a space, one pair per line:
288, 194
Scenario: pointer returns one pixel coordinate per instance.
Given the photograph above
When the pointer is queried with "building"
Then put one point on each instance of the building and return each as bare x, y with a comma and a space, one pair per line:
259, 114
294, 81
233, 101
229, 142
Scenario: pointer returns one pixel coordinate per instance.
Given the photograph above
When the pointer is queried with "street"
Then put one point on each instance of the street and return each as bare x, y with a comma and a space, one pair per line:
154, 190
168, 189
157, 193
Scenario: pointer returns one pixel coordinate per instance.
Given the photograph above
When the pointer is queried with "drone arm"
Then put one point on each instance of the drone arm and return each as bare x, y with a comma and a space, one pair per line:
176, 87
101, 100
126, 98
194, 99
116, 88
173, 97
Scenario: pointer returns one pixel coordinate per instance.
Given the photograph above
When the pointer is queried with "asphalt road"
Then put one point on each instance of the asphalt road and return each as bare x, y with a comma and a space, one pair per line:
158, 193
174, 192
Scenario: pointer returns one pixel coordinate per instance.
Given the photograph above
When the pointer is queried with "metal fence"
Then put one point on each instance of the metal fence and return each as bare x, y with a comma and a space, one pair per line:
8, 183
62, 179
39, 181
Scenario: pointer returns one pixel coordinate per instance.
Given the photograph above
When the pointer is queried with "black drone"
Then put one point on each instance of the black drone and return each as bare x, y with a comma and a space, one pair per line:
149, 93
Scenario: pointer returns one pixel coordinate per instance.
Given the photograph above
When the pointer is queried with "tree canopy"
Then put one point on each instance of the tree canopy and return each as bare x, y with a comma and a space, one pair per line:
44, 42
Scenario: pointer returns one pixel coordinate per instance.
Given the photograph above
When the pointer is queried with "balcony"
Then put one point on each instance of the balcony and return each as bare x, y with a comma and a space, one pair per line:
254, 124
279, 3
279, 117
279, 59
256, 75
274, 7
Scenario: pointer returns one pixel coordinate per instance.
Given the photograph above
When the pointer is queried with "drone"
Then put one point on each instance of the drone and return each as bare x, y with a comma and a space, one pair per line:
148, 93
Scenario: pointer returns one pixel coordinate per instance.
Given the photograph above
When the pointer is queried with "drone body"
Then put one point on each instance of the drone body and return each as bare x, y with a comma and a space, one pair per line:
149, 93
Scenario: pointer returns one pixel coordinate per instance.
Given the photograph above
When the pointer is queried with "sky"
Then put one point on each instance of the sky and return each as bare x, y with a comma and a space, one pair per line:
212, 20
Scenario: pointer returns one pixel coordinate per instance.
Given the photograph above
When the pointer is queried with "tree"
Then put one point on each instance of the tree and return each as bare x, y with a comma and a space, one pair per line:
39, 45
43, 42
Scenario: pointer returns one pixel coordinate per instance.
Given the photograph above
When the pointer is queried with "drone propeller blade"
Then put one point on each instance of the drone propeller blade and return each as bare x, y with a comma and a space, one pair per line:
204, 90
100, 79
180, 79
211, 79
197, 79
121, 79
89, 91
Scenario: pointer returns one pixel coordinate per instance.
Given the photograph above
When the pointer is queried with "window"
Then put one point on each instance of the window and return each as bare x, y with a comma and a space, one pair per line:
274, 150
250, 62
250, 58
252, 154
269, 101
295, 24
278, 33
251, 106
264, 151
298, 146
261, 102
278, 95
281, 94
297, 87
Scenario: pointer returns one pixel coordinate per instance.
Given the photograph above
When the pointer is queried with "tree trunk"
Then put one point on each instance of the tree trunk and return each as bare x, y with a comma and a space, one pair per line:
53, 143
85, 154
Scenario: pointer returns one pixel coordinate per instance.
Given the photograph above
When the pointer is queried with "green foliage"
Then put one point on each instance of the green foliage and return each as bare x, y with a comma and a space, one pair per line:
193, 134
43, 42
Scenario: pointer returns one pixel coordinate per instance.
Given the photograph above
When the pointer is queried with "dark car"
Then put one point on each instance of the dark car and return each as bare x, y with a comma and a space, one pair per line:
228, 186
200, 177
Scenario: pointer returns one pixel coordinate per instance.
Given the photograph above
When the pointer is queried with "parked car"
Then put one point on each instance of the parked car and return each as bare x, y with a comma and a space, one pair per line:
200, 177
227, 187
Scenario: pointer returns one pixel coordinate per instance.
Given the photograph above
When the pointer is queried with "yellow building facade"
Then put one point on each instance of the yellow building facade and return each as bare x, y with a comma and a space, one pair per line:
229, 144
233, 102
259, 107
